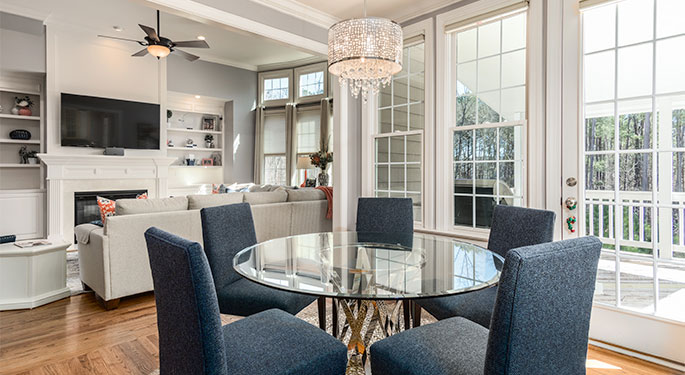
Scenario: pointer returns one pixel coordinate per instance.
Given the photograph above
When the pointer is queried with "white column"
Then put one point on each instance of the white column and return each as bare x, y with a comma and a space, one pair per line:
347, 146
665, 186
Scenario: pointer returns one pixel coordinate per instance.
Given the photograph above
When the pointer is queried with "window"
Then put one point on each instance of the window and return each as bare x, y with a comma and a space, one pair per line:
308, 138
275, 88
399, 133
634, 143
274, 148
311, 84
489, 118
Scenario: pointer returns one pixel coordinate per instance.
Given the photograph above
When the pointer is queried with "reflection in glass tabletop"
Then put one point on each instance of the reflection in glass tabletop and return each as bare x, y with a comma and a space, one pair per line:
358, 265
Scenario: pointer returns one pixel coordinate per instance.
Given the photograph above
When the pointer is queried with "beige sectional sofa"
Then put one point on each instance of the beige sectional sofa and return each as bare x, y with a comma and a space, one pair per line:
113, 260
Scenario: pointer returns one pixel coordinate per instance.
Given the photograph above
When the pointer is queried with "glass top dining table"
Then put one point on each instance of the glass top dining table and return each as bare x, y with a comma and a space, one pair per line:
370, 266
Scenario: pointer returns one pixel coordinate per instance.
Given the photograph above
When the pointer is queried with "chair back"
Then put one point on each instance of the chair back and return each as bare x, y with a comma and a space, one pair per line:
385, 215
514, 227
225, 231
190, 336
541, 318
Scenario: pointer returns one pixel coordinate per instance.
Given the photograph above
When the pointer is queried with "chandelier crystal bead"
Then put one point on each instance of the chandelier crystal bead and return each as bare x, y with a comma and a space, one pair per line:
365, 53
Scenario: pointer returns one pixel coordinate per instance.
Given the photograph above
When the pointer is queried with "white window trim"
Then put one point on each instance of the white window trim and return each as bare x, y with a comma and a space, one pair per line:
285, 73
320, 67
369, 131
534, 132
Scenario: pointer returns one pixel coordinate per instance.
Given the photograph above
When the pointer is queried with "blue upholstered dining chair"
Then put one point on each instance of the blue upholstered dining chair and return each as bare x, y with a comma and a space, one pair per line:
192, 340
226, 230
512, 227
539, 326
385, 215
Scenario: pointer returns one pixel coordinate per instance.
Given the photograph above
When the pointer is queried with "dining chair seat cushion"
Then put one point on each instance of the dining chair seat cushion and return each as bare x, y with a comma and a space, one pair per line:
280, 343
475, 306
245, 297
454, 346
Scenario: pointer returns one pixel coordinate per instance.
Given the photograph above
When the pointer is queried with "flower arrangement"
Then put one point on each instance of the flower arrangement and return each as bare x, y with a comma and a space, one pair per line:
321, 158
24, 102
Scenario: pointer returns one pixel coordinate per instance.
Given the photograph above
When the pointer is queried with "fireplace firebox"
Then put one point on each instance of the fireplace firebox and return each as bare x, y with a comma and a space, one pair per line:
86, 207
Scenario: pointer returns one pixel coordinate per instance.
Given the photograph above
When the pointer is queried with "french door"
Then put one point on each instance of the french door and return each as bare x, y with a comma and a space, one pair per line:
625, 179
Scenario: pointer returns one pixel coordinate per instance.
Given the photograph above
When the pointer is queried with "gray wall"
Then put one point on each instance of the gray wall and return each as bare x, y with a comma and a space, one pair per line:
22, 44
236, 85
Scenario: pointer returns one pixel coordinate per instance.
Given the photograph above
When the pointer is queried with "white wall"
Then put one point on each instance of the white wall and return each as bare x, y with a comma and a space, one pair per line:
80, 63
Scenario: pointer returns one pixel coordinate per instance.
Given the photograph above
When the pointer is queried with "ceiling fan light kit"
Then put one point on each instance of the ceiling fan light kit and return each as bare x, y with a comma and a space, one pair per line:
365, 53
159, 46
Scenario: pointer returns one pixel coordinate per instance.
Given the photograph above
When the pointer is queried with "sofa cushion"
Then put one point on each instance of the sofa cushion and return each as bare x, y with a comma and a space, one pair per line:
146, 206
306, 194
196, 202
266, 197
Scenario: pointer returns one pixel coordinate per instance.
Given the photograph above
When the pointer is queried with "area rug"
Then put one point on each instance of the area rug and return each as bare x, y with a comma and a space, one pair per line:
73, 277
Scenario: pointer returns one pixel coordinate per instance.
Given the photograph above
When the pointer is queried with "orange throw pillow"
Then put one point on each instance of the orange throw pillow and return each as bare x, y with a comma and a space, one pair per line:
108, 206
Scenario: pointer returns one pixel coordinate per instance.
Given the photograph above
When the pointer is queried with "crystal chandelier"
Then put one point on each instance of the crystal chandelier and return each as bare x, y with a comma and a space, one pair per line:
365, 53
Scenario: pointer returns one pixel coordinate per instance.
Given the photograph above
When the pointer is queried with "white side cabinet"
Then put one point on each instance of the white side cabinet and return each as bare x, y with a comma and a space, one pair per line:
32, 276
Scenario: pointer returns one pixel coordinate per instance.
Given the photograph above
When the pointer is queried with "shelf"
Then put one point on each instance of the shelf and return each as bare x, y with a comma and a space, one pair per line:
20, 141
198, 112
22, 92
19, 117
186, 149
181, 130
7, 165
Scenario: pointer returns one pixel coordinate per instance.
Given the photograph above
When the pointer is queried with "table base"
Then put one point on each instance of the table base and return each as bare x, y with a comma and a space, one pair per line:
365, 322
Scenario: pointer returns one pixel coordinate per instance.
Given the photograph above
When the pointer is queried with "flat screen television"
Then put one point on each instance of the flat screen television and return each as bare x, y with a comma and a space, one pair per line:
89, 121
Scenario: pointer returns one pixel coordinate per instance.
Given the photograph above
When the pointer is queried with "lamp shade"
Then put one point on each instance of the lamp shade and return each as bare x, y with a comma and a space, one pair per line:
303, 162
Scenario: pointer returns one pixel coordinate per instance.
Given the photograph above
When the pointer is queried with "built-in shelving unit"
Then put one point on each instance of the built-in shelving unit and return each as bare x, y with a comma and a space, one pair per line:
187, 123
22, 186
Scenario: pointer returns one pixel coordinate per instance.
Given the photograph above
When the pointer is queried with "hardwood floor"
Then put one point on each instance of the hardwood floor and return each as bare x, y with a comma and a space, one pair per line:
76, 336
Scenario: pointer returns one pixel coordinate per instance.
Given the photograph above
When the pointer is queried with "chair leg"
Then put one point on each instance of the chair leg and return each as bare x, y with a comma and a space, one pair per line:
334, 317
417, 314
321, 303
406, 308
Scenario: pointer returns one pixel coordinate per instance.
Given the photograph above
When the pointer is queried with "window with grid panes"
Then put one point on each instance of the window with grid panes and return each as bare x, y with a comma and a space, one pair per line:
399, 133
311, 84
490, 114
274, 148
275, 88
308, 137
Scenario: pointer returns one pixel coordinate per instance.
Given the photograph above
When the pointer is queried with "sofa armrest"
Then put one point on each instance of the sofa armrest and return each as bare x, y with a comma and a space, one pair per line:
93, 262
129, 265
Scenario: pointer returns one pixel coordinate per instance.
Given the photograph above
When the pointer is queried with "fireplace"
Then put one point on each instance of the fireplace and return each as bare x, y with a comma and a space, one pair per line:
86, 207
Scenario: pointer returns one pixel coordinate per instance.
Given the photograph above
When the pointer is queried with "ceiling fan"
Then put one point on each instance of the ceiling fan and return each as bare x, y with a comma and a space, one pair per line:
159, 46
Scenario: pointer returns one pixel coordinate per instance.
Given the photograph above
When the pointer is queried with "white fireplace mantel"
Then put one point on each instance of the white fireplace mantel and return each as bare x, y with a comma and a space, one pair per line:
67, 174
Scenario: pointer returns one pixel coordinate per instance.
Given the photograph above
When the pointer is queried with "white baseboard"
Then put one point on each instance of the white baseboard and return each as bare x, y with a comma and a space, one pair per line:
645, 357
30, 303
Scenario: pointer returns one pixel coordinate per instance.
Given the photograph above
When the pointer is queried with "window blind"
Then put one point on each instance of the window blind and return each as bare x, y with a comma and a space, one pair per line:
274, 134
588, 4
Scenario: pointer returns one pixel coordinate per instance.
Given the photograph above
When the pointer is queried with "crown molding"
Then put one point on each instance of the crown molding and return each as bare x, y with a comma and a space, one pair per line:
304, 12
290, 64
401, 17
24, 11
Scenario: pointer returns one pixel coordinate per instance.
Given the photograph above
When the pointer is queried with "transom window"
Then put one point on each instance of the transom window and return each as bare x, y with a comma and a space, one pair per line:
311, 84
276, 88
399, 139
489, 118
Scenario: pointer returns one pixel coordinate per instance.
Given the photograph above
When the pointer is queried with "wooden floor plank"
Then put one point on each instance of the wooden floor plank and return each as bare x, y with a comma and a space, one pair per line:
76, 336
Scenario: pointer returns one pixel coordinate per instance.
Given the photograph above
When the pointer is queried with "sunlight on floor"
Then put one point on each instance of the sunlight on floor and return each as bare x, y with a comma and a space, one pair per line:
593, 363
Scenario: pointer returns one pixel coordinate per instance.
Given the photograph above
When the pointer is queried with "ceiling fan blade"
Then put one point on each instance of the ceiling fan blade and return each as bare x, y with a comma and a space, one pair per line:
187, 55
126, 39
192, 44
142, 52
151, 33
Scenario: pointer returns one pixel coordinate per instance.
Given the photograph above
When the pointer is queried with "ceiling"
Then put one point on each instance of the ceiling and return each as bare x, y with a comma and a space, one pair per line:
397, 10
228, 46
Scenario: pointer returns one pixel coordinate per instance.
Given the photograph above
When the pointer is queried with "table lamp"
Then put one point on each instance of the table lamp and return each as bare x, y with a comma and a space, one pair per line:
303, 162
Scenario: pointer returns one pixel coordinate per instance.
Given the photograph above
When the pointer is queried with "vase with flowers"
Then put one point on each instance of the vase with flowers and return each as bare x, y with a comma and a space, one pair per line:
22, 106
320, 159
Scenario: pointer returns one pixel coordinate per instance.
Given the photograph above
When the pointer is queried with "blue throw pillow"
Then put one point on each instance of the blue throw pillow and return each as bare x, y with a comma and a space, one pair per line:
97, 222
